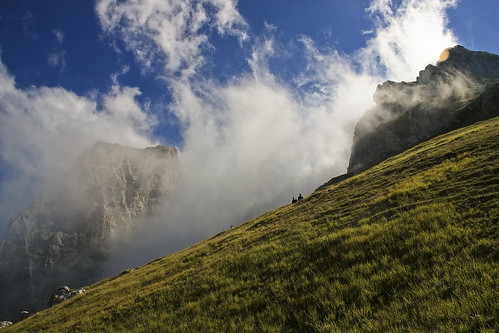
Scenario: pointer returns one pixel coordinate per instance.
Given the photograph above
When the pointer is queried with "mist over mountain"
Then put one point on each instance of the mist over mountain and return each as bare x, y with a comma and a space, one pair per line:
410, 245
118, 206
458, 91
65, 237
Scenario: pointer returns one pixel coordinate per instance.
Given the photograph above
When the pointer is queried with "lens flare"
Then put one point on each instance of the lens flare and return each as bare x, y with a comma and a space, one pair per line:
444, 55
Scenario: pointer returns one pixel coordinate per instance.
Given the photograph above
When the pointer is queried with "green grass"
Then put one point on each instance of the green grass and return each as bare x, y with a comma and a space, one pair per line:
410, 245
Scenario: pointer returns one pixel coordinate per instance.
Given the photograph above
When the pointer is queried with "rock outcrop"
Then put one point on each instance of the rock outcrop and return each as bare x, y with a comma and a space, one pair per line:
62, 294
5, 324
64, 237
461, 89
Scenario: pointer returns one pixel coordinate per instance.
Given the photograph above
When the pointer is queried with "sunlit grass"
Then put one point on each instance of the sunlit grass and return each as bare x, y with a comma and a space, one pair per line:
410, 245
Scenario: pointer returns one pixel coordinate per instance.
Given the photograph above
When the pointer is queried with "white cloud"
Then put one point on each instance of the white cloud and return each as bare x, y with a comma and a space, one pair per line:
42, 130
407, 37
172, 30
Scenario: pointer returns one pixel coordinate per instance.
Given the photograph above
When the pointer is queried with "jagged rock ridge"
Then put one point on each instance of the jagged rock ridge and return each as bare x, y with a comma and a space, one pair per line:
63, 237
461, 89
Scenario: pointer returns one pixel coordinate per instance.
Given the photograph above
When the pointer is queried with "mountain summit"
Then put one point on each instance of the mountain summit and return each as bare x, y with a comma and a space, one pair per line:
64, 237
460, 90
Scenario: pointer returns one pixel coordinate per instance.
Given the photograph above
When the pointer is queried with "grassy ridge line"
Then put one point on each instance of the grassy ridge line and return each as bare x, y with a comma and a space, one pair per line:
410, 245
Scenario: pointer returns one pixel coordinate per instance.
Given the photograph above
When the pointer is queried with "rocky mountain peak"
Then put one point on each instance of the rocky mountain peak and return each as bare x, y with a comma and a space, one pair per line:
477, 66
460, 89
63, 238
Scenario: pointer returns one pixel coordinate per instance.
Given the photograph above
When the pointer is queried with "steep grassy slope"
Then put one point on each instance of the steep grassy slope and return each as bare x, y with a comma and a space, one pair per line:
410, 245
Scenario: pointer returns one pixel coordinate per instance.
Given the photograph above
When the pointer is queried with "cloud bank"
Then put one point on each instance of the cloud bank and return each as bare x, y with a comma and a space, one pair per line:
257, 139
250, 142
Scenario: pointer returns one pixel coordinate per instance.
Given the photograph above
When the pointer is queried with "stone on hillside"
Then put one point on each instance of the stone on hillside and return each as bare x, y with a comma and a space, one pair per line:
5, 324
63, 293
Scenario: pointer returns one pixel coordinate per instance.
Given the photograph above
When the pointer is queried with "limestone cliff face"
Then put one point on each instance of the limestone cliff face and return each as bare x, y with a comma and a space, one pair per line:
63, 238
461, 89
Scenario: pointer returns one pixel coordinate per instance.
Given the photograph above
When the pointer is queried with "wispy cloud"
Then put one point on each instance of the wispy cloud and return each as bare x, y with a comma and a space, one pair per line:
175, 31
57, 58
59, 35
28, 25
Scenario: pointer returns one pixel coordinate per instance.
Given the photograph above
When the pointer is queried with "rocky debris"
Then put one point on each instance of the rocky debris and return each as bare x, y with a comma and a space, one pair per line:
64, 237
461, 89
23, 315
5, 324
63, 293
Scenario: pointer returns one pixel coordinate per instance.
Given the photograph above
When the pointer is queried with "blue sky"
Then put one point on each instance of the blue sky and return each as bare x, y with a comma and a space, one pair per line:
88, 57
84, 58
260, 96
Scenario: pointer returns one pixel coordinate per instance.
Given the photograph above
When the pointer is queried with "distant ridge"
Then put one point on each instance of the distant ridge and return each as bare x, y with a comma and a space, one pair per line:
64, 237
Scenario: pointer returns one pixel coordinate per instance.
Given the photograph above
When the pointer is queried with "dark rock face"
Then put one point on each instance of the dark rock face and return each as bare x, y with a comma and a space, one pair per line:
63, 238
460, 90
